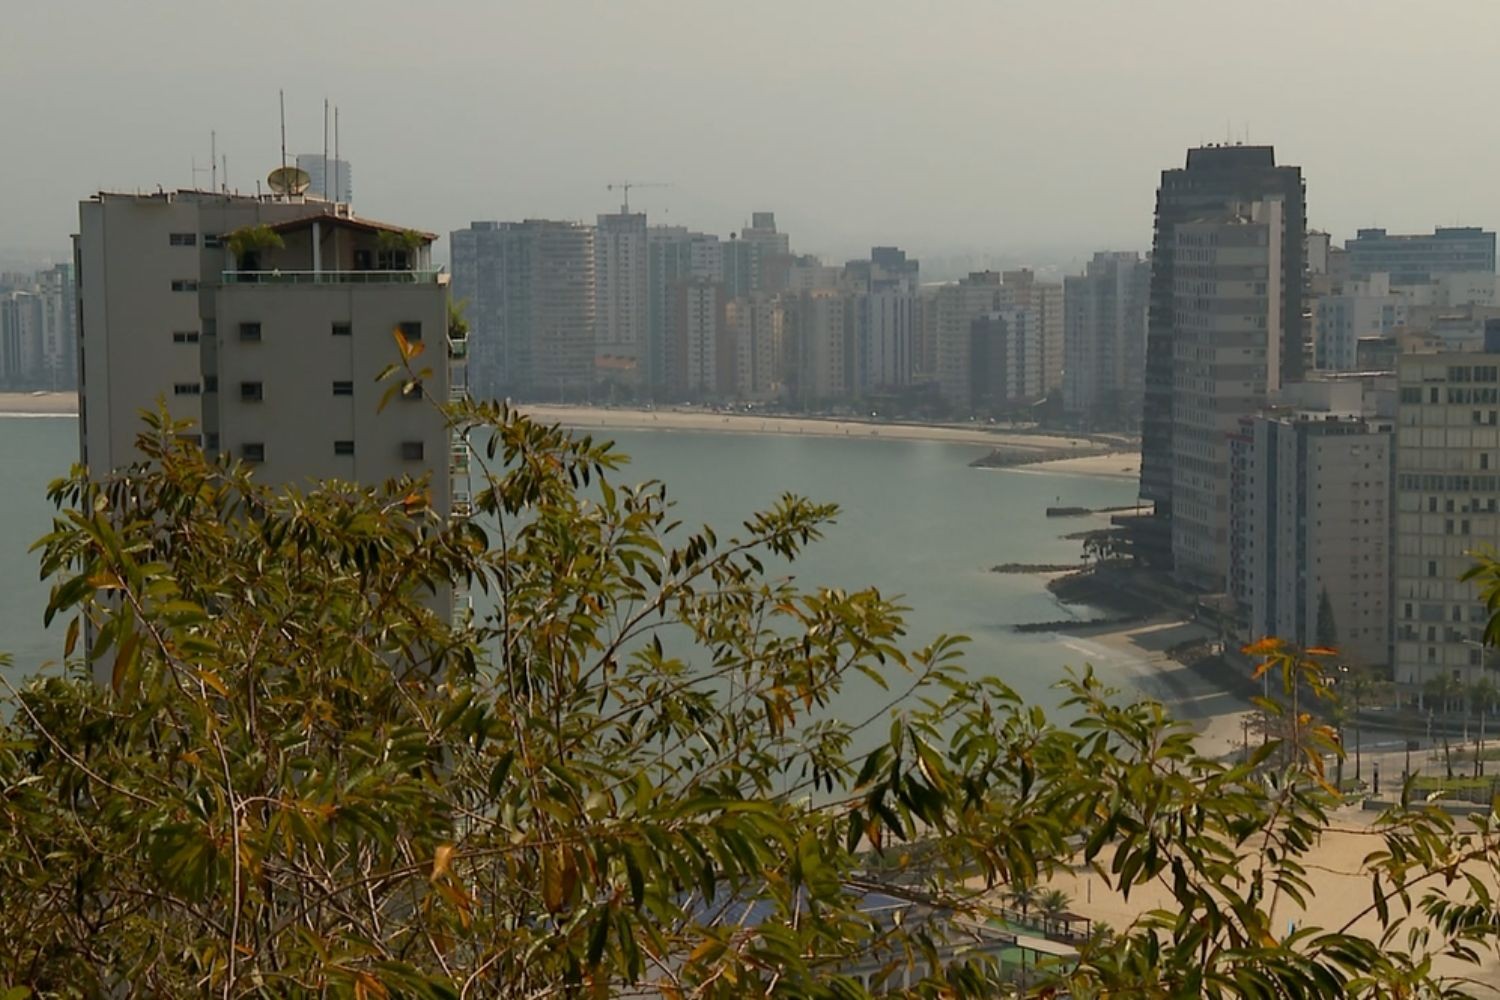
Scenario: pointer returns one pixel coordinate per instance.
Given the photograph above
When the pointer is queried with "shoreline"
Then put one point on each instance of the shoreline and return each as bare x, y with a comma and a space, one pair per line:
39, 404
1031, 451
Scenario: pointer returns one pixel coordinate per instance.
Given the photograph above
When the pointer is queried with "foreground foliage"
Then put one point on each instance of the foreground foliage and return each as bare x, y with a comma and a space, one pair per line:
282, 772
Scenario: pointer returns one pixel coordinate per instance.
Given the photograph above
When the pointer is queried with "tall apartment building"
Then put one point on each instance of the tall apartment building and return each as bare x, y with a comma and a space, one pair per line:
622, 295
700, 357
1104, 340
20, 338
762, 234
1045, 298
1311, 522
1227, 339
1447, 485
331, 184
756, 326
674, 255
1214, 179
819, 329
529, 290
885, 292
1419, 259
1360, 308
271, 346
38, 331
1007, 348
955, 308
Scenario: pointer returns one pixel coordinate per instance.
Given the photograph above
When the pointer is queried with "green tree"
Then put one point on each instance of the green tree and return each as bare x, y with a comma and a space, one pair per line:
626, 771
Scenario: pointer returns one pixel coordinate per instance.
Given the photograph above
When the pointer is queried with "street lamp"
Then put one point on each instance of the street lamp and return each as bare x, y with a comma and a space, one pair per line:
1484, 704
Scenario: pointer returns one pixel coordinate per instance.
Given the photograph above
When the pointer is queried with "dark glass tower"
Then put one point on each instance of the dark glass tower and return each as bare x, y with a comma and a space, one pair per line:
1215, 179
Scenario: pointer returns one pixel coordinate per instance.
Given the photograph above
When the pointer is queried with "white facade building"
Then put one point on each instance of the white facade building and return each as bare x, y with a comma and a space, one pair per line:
1104, 339
1045, 298
1363, 308
622, 293
1311, 482
955, 308
272, 355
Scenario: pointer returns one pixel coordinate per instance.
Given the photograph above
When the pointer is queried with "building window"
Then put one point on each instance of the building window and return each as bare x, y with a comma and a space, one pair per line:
343, 388
253, 451
343, 447
182, 239
185, 337
342, 330
252, 392
212, 241
411, 451
181, 285
186, 389
250, 331
411, 330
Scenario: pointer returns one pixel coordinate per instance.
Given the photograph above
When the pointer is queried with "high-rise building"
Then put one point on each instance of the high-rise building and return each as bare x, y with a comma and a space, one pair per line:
529, 290
884, 303
1310, 519
1227, 339
622, 291
762, 234
332, 184
265, 321
1419, 259
58, 293
1045, 298
956, 307
1447, 485
1007, 347
1214, 179
20, 339
820, 330
39, 330
1104, 340
756, 326
701, 359
1361, 308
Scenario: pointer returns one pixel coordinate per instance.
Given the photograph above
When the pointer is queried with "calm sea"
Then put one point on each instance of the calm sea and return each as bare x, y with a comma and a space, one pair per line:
916, 521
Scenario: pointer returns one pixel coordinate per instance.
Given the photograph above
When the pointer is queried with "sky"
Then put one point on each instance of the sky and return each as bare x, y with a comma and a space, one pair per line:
1030, 128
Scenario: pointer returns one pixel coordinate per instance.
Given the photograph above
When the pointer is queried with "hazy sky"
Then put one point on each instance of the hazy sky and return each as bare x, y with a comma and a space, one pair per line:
1012, 126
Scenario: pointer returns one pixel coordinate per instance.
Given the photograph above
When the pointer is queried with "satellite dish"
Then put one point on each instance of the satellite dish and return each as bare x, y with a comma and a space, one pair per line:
289, 180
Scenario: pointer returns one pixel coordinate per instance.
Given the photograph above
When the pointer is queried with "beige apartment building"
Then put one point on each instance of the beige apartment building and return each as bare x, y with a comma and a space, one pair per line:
1447, 481
1227, 344
273, 353
1044, 298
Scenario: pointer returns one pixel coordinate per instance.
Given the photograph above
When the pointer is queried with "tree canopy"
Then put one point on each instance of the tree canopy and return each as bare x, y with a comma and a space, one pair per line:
279, 769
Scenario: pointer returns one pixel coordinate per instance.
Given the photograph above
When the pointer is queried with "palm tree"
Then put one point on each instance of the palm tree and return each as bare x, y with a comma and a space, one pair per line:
1484, 693
1022, 897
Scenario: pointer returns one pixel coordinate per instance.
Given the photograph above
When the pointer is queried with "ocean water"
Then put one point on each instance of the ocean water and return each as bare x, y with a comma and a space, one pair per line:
915, 521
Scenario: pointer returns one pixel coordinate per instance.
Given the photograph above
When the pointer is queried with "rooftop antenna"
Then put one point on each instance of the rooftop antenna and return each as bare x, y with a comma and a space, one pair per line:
324, 192
224, 158
213, 159
337, 186
282, 94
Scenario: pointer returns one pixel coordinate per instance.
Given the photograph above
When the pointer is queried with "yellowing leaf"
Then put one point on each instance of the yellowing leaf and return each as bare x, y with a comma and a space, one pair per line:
442, 860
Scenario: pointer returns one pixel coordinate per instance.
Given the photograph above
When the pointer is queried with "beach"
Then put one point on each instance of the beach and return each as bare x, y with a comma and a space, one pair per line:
1025, 444
39, 404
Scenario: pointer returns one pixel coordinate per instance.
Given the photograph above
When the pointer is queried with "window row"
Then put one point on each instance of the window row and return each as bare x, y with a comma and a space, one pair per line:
254, 392
410, 329
255, 451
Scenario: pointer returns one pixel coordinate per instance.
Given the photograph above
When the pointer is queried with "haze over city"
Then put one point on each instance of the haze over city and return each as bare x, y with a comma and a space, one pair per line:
827, 500
1028, 128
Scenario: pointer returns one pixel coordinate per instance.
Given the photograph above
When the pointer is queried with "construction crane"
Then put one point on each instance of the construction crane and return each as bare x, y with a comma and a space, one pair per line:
625, 186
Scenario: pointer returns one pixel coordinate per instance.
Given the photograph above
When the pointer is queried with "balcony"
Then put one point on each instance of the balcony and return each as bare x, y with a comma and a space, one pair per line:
432, 277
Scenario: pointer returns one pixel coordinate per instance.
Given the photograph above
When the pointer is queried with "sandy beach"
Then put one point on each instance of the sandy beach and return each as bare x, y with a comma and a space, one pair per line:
38, 404
588, 418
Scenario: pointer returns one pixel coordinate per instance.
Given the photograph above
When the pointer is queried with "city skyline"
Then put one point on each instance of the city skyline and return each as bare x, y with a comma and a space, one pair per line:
886, 129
